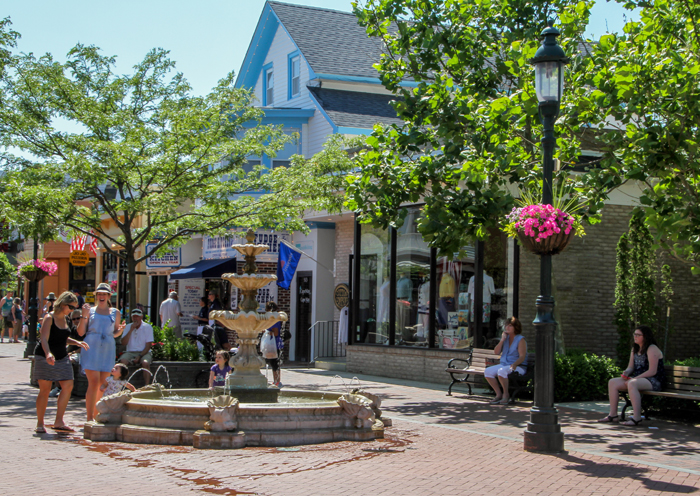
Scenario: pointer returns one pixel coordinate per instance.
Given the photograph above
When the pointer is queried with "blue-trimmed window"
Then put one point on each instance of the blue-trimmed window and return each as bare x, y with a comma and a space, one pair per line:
294, 75
268, 95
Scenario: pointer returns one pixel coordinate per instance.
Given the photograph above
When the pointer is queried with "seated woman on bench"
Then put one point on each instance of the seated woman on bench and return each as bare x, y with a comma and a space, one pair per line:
513, 350
644, 372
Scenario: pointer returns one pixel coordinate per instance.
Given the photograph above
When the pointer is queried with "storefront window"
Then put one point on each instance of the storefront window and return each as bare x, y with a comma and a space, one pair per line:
454, 287
412, 284
373, 318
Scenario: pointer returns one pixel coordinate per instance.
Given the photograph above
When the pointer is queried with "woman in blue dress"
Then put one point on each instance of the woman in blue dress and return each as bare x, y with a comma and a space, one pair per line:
513, 351
102, 324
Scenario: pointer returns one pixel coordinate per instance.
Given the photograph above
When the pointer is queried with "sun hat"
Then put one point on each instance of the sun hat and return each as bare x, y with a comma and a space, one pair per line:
136, 311
51, 297
103, 287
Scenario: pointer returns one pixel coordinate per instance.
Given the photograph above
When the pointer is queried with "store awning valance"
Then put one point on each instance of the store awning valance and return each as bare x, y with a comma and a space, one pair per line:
206, 269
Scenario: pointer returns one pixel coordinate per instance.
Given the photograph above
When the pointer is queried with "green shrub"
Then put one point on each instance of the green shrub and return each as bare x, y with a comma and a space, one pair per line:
582, 376
167, 347
688, 362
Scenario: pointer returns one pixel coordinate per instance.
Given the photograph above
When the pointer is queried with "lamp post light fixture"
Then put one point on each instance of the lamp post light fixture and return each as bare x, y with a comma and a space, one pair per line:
543, 432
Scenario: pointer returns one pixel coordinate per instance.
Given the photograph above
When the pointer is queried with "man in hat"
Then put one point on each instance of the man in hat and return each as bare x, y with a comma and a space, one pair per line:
48, 306
170, 314
138, 339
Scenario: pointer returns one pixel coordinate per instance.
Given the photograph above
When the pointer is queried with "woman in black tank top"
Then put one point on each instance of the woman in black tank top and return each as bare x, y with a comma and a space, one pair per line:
51, 361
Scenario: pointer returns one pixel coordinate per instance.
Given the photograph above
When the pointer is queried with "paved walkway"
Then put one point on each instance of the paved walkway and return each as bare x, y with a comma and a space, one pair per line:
438, 445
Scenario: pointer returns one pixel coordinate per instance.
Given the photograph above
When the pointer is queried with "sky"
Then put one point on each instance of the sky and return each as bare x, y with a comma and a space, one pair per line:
206, 38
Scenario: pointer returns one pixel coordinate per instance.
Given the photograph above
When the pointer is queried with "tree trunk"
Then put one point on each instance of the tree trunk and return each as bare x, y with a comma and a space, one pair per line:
131, 270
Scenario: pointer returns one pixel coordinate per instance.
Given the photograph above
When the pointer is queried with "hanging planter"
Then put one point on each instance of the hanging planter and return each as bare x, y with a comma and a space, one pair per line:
551, 245
36, 270
34, 275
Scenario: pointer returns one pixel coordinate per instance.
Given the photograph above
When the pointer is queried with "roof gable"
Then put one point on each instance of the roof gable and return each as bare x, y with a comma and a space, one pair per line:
331, 41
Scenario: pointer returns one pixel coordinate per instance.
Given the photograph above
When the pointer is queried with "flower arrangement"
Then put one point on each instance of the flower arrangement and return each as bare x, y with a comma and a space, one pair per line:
50, 268
113, 285
538, 222
541, 221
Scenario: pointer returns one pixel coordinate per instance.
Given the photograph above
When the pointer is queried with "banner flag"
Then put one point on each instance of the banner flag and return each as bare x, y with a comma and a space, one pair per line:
286, 265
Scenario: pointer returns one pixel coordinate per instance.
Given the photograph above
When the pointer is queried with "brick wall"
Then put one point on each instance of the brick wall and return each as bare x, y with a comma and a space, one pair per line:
584, 292
413, 364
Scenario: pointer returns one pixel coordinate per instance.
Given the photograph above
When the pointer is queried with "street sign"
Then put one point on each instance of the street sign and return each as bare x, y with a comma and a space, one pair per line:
79, 258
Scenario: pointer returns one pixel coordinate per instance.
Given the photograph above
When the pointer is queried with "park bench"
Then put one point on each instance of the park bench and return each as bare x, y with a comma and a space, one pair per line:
471, 371
682, 383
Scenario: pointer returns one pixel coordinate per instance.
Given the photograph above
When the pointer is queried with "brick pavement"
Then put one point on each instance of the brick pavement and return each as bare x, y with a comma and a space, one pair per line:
438, 445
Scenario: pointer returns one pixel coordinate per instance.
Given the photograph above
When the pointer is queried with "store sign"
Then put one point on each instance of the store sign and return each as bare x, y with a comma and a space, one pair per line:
191, 291
265, 294
341, 296
218, 247
172, 259
90, 297
79, 258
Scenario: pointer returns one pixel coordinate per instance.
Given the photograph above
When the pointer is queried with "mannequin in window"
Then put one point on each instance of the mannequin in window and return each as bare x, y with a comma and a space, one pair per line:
489, 289
404, 297
446, 297
423, 308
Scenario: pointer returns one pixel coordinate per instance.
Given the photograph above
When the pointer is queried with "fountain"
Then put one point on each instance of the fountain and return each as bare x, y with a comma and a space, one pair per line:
246, 411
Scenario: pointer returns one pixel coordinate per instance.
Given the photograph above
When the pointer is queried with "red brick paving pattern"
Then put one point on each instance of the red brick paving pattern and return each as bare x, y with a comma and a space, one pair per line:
438, 445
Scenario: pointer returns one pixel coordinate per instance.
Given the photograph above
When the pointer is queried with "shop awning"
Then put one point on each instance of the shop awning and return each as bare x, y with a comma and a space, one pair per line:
206, 269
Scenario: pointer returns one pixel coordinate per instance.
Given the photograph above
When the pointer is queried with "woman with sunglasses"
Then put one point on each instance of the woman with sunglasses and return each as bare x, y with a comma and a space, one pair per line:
102, 325
644, 372
51, 361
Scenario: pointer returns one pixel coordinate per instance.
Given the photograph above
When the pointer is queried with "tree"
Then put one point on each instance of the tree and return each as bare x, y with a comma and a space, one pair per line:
142, 152
471, 125
643, 97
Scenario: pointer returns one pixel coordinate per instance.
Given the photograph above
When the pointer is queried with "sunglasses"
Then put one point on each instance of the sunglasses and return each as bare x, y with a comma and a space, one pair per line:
72, 307
76, 318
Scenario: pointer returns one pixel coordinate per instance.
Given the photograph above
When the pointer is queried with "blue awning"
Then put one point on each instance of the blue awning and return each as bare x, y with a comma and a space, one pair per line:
206, 269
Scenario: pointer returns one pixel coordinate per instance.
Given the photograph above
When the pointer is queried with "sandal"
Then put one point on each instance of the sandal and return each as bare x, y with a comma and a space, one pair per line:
63, 428
608, 419
496, 401
630, 422
504, 401
40, 430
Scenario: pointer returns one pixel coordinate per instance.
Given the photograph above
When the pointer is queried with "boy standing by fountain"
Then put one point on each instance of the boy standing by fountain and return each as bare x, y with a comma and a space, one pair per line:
138, 339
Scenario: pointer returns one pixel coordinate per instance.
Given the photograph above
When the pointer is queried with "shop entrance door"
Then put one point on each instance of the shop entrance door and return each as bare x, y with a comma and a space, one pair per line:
303, 321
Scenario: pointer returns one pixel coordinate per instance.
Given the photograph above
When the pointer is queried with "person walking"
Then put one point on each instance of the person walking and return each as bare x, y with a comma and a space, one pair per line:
48, 306
17, 318
100, 325
170, 314
51, 361
6, 306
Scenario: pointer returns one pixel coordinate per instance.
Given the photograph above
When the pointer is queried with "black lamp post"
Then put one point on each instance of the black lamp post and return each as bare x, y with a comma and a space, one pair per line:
33, 308
543, 432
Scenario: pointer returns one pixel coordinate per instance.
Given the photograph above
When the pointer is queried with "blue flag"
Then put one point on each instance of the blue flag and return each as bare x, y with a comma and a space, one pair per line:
286, 265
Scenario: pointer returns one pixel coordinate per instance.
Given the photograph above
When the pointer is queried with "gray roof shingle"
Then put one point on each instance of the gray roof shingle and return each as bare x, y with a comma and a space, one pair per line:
354, 109
331, 41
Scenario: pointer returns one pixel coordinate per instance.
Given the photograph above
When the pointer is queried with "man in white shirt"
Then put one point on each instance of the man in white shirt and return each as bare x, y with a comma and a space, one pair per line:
138, 339
170, 311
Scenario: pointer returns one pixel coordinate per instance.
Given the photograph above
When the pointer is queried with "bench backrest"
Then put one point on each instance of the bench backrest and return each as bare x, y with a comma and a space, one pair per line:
482, 358
682, 379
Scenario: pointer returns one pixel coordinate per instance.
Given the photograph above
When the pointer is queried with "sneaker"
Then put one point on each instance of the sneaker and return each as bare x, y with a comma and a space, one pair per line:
54, 392
279, 385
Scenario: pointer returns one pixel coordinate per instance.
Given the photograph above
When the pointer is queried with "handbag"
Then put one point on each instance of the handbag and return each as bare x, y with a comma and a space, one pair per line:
268, 346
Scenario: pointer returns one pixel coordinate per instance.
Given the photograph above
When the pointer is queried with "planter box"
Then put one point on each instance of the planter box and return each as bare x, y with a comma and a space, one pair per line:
552, 245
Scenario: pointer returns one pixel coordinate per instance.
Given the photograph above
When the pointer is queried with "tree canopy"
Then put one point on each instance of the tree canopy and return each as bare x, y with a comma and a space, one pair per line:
465, 92
83, 145
641, 90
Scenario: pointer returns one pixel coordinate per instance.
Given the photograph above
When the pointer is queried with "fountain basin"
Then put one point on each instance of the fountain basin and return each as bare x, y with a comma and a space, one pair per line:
310, 417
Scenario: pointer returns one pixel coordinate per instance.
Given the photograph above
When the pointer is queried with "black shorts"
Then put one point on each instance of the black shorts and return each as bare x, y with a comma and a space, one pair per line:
274, 363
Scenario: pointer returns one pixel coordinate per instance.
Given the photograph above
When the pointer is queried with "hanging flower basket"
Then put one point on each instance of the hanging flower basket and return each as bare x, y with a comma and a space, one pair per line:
36, 270
551, 245
34, 275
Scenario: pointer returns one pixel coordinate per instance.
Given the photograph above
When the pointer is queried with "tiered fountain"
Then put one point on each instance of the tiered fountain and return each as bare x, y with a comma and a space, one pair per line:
249, 413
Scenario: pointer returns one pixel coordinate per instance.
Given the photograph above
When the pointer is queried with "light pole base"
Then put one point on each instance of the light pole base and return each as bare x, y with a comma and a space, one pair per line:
543, 432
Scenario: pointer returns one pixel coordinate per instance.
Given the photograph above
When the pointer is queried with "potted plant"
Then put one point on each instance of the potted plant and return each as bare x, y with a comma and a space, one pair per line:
36, 270
541, 228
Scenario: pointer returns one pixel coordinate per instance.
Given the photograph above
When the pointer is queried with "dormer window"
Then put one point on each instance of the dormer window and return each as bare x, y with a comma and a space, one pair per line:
294, 75
269, 86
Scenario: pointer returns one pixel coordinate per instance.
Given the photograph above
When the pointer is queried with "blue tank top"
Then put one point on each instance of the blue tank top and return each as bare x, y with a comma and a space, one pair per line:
6, 307
509, 353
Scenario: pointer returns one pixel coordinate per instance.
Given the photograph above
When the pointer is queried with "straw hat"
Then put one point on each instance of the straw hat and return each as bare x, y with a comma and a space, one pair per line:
103, 287
51, 297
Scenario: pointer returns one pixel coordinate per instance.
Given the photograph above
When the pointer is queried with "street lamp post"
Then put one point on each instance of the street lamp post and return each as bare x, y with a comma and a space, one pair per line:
543, 432
33, 308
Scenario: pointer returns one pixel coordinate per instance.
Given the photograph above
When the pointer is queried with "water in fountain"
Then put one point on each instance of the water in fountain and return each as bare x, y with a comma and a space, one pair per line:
167, 375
